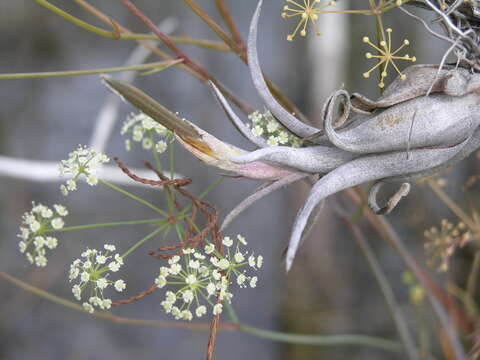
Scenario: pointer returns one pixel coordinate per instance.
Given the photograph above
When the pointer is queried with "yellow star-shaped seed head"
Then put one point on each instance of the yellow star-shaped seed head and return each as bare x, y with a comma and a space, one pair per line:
308, 12
386, 57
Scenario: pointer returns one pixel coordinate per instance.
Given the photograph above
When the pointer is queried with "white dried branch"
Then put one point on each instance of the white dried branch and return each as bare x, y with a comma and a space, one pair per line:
47, 171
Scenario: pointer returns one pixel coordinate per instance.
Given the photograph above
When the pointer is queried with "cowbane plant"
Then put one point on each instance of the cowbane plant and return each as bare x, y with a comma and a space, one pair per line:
424, 121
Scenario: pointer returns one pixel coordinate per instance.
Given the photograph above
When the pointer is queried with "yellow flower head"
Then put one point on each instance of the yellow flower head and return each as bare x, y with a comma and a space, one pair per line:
308, 12
387, 57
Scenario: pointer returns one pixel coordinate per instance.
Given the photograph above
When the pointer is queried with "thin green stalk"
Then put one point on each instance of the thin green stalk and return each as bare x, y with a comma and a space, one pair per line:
473, 276
134, 197
111, 224
144, 240
107, 316
38, 75
118, 34
231, 313
323, 340
452, 205
387, 291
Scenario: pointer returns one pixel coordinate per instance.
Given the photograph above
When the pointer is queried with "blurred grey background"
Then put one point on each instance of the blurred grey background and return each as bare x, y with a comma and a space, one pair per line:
329, 291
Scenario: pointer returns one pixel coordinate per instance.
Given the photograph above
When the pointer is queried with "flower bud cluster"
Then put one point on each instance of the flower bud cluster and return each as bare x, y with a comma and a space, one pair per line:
266, 126
203, 277
91, 272
83, 161
145, 130
35, 225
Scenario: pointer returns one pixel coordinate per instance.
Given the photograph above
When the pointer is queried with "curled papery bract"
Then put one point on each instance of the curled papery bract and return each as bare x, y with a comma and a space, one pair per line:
408, 125
288, 120
361, 170
314, 159
217, 153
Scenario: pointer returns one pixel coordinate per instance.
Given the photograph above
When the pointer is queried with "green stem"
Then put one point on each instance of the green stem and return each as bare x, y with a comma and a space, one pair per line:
134, 197
231, 313
144, 240
207, 191
102, 225
38, 75
452, 205
105, 315
118, 34
323, 340
473, 276
387, 291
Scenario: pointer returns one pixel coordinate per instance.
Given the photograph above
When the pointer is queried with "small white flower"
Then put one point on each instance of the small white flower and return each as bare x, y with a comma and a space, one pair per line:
194, 264
223, 264
191, 279
201, 310
210, 248
239, 257
272, 126
174, 259
241, 240
171, 297
257, 131
253, 282
161, 281
101, 259
188, 251
118, 259
46, 213
41, 261
89, 308
161, 147
217, 309
120, 285
51, 242
175, 269
114, 266
251, 261
227, 241
22, 246
77, 291
211, 288
35, 226
187, 296
109, 247
259, 261
186, 315
102, 283
241, 279
272, 141
164, 271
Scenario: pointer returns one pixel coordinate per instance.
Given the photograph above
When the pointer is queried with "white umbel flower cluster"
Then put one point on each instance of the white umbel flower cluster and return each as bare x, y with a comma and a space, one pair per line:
203, 278
35, 225
266, 126
145, 130
92, 273
83, 161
